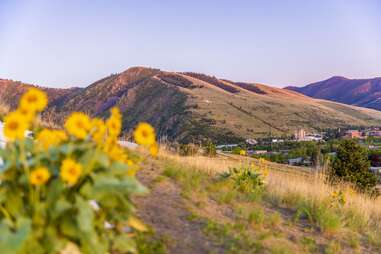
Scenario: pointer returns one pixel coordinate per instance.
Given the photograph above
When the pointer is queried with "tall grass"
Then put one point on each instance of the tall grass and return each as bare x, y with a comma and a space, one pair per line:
308, 192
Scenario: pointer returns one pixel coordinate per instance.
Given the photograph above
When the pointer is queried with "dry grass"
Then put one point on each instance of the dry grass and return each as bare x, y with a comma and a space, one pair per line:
290, 184
315, 188
4, 109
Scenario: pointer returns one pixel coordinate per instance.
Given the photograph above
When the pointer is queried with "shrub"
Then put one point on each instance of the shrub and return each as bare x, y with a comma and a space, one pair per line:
246, 180
352, 165
325, 218
188, 149
236, 150
210, 149
67, 191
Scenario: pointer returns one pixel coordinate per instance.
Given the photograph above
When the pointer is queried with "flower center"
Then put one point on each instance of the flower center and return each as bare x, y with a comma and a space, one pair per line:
13, 125
72, 171
80, 125
32, 98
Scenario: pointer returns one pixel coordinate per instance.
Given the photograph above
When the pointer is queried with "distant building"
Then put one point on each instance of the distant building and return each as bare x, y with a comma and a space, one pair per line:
295, 161
251, 141
313, 137
374, 133
259, 151
352, 134
227, 146
300, 134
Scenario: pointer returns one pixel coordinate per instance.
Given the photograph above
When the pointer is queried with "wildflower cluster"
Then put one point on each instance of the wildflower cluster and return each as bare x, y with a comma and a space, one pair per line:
249, 180
62, 187
18, 122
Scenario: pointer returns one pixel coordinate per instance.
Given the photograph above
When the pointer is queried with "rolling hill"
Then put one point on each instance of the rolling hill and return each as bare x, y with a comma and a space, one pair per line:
190, 107
359, 92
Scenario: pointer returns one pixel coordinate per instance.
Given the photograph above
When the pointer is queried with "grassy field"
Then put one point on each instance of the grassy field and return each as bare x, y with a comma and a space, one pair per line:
273, 110
192, 209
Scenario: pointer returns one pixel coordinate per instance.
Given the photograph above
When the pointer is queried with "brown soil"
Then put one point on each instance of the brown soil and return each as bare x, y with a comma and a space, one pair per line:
165, 211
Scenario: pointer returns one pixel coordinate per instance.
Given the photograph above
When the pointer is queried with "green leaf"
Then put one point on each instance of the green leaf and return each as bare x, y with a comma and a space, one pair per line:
56, 189
128, 185
85, 215
13, 242
103, 160
14, 203
68, 227
61, 206
124, 244
119, 167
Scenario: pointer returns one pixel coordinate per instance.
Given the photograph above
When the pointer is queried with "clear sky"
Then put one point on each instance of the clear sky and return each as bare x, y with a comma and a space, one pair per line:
63, 43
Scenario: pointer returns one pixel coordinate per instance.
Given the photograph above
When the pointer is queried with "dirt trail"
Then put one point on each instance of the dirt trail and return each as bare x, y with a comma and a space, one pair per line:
164, 209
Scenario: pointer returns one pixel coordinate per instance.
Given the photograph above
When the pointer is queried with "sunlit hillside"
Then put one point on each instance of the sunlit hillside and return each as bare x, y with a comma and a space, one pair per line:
194, 208
191, 107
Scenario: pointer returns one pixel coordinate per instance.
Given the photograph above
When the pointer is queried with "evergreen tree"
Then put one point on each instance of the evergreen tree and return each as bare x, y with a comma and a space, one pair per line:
352, 165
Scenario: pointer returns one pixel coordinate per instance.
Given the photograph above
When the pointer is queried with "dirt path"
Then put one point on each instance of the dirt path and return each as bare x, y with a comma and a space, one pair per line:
164, 209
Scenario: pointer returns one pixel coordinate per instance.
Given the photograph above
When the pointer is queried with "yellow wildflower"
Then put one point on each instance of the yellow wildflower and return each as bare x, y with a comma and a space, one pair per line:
144, 134
136, 224
78, 124
70, 171
15, 126
131, 171
242, 152
116, 152
27, 113
39, 176
99, 130
114, 126
60, 135
48, 138
154, 150
115, 112
34, 99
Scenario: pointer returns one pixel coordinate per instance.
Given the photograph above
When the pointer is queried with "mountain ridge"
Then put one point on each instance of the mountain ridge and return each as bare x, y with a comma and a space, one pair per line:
195, 107
358, 92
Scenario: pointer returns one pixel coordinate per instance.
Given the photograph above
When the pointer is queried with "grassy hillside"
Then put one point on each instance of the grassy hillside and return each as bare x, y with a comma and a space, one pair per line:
192, 209
192, 107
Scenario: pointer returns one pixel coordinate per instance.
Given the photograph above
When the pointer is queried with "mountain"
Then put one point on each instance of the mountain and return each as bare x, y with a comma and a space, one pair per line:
189, 107
359, 92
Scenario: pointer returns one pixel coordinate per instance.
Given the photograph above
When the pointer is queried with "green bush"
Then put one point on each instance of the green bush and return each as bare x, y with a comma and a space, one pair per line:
246, 180
352, 165
210, 149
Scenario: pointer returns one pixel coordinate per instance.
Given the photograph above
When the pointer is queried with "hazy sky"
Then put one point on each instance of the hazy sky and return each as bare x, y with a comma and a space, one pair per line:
75, 42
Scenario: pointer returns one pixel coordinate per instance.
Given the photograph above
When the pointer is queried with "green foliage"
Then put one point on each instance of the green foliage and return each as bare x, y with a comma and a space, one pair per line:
352, 165
237, 150
309, 244
246, 180
210, 149
320, 214
45, 218
148, 243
